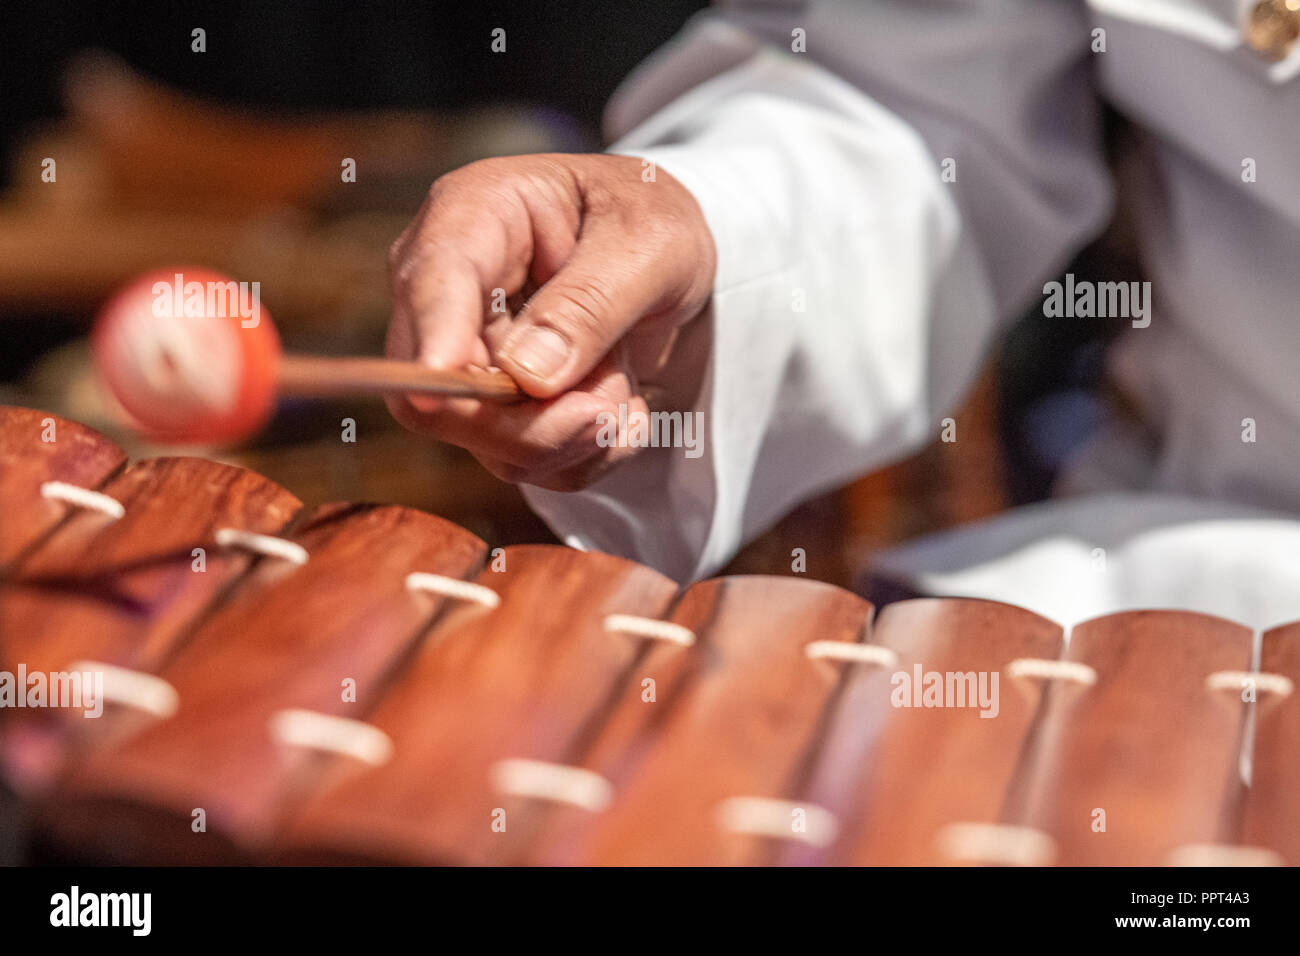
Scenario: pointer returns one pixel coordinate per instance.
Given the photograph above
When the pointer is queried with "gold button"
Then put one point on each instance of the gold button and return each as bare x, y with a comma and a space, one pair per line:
1274, 27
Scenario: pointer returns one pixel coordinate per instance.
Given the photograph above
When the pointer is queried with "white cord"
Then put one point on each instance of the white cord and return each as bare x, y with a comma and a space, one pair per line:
540, 780
851, 652
342, 735
779, 819
452, 588
134, 689
1237, 680
82, 498
650, 627
1219, 854
1052, 670
264, 544
996, 843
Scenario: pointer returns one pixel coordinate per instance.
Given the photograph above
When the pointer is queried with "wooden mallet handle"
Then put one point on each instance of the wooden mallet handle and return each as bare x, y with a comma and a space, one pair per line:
324, 375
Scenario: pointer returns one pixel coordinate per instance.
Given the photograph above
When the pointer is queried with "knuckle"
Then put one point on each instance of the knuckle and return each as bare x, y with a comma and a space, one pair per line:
480, 173
603, 197
404, 272
447, 183
590, 308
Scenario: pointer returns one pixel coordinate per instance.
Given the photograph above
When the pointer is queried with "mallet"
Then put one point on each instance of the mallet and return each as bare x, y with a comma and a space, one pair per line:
192, 357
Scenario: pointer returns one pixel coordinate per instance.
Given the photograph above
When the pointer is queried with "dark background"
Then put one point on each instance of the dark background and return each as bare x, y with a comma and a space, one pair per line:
345, 54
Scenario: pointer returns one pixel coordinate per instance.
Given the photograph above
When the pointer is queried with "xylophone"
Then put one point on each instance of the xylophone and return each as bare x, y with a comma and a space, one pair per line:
368, 683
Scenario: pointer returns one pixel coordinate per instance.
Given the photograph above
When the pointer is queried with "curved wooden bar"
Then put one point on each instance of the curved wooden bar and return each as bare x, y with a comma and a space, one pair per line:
323, 637
368, 683
1146, 760
735, 721
934, 739
36, 448
529, 679
1272, 812
124, 591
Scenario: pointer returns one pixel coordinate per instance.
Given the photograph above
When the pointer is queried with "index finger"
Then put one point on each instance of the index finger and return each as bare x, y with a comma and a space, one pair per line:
464, 251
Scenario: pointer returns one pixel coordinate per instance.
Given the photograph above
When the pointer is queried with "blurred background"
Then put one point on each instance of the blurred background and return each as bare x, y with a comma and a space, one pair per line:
231, 158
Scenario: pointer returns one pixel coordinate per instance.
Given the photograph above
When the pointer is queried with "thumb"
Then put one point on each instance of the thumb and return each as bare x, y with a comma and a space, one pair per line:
574, 320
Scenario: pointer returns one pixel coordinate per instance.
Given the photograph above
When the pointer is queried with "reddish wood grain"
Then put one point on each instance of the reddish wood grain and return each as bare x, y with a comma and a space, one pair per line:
78, 455
896, 773
734, 716
124, 592
288, 638
525, 680
1149, 745
458, 687
1272, 808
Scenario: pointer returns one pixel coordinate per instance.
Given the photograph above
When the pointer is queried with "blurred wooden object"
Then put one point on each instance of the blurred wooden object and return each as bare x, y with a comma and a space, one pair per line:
748, 711
353, 375
941, 766
1148, 759
739, 720
287, 642
943, 485
161, 148
36, 448
1275, 771
149, 176
514, 686
71, 259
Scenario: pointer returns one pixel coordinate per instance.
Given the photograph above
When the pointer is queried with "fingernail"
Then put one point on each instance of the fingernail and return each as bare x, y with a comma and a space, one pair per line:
540, 351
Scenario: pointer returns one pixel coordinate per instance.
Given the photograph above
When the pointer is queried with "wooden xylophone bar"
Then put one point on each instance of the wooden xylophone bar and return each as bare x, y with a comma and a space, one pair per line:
361, 683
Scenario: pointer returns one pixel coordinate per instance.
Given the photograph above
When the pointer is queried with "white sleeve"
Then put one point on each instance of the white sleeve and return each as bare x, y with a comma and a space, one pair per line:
851, 308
